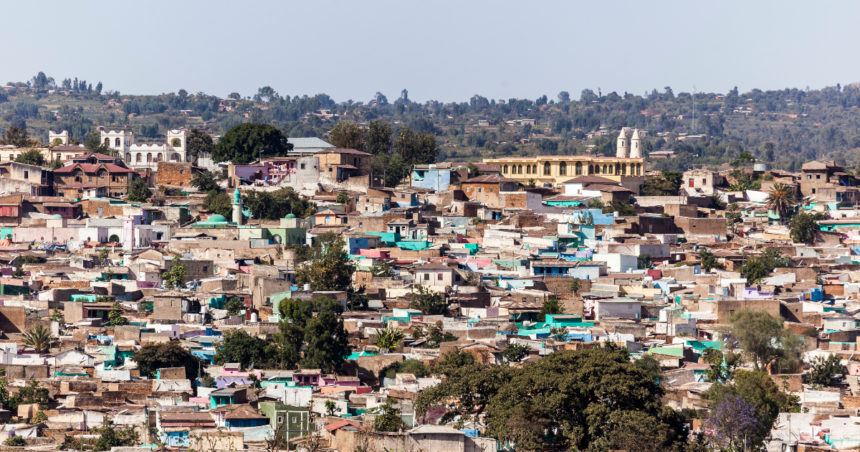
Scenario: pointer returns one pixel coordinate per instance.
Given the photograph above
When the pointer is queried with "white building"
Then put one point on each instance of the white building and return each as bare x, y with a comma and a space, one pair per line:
53, 138
146, 155
629, 149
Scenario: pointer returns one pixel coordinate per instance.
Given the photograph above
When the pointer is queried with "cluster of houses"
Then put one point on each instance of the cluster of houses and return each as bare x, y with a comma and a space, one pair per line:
496, 239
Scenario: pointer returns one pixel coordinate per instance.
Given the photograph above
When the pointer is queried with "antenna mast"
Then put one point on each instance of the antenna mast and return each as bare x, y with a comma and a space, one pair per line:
694, 111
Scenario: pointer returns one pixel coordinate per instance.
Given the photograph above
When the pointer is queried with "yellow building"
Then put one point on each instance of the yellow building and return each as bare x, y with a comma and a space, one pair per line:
556, 169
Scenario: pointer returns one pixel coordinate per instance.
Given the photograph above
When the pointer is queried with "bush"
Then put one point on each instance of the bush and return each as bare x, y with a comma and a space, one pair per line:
15, 441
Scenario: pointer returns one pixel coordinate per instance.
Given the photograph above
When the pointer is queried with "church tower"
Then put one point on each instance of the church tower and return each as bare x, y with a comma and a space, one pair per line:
622, 145
635, 145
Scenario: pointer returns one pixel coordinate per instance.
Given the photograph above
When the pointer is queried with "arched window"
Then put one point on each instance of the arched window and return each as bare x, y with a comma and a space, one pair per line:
137, 158
610, 169
118, 142
590, 169
148, 158
604, 168
158, 157
534, 169
327, 220
624, 169
107, 142
505, 169
638, 169
547, 170
128, 156
578, 168
562, 169
113, 238
520, 170
176, 142
528, 169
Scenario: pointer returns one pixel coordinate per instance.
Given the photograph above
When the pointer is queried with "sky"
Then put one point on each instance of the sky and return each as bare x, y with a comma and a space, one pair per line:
437, 50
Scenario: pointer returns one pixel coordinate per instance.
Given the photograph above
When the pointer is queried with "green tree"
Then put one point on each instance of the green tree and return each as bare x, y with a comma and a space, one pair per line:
575, 286
19, 271
218, 202
515, 353
274, 205
240, 347
757, 390
104, 438
388, 339
473, 170
115, 316
803, 228
57, 316
781, 200
668, 184
416, 148
15, 441
197, 142
644, 261
764, 339
428, 302
138, 191
387, 417
550, 306
326, 339
651, 367
348, 135
40, 339
378, 137
624, 209
57, 164
205, 181
707, 259
521, 405
153, 356
327, 266
407, 366
356, 300
330, 408
16, 136
175, 277
94, 143
31, 157
757, 267
722, 364
342, 198
234, 305
823, 370
247, 142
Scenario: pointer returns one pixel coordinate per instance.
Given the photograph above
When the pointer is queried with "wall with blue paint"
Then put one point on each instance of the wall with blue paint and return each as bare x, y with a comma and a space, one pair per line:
434, 179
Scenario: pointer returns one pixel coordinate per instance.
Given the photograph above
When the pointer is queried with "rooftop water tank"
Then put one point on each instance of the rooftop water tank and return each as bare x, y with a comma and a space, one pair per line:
761, 167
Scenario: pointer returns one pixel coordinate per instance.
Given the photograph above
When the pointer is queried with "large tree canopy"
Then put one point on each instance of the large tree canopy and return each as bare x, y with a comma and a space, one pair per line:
247, 142
589, 397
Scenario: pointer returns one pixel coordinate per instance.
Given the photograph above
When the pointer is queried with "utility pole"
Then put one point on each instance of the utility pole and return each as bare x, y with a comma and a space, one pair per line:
695, 128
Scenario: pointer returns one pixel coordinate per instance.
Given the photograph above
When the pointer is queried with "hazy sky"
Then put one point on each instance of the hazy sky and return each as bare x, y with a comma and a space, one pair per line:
442, 50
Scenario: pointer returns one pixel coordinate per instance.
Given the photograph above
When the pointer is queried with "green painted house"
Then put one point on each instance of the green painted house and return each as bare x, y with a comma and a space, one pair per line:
296, 420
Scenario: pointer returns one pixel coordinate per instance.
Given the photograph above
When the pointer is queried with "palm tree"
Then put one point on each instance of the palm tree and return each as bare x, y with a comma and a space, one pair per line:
39, 338
781, 199
388, 339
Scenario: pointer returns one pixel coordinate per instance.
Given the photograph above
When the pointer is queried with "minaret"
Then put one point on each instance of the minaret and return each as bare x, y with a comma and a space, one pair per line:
237, 207
635, 149
622, 145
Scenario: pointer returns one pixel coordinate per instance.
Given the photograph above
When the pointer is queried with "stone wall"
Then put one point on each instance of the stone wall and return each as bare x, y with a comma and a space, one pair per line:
175, 174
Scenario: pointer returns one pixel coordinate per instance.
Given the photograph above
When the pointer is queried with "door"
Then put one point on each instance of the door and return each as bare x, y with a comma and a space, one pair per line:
691, 183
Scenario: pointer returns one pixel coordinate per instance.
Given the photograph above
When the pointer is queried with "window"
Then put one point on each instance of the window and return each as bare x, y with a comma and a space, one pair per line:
818, 176
491, 190
182, 171
456, 276
547, 170
303, 166
505, 169
562, 169
26, 174
578, 168
704, 182
117, 142
205, 269
813, 191
426, 276
520, 170
524, 299
329, 169
534, 169
480, 190
528, 169
809, 176
438, 276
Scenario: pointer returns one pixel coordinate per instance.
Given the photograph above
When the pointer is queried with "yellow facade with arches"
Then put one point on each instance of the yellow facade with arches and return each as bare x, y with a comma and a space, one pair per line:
556, 169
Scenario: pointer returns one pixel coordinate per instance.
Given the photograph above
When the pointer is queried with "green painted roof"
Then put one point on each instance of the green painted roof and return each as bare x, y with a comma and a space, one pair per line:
216, 219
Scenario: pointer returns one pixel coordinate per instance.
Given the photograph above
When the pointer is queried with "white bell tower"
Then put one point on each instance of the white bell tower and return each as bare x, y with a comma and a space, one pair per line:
622, 145
635, 145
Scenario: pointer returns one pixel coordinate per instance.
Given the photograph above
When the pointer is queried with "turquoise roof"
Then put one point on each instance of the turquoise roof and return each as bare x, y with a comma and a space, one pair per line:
216, 219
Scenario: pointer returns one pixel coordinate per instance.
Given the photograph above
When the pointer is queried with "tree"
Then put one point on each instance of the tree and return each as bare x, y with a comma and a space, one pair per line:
357, 300
575, 286
388, 339
57, 316
473, 170
40, 339
94, 143
31, 157
342, 198
197, 142
757, 267
522, 404
781, 200
138, 191
515, 353
387, 417
823, 370
247, 142
153, 356
218, 202
326, 339
175, 277
644, 261
668, 184
428, 302
407, 366
240, 347
330, 408
650, 366
205, 181
802, 228
15, 441
763, 338
234, 305
378, 137
115, 316
767, 154
564, 96
550, 306
103, 438
758, 391
416, 148
274, 205
707, 260
16, 136
57, 164
19, 271
327, 266
348, 135
731, 424
722, 364
623, 208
